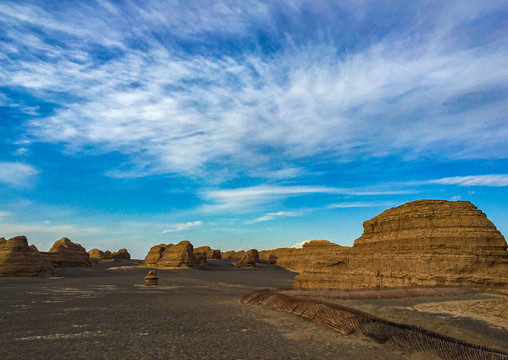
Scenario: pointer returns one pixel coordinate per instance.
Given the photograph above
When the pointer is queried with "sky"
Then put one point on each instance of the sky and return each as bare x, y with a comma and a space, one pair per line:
245, 124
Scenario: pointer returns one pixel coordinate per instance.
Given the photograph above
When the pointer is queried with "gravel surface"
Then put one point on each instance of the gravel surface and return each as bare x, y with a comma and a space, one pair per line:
105, 312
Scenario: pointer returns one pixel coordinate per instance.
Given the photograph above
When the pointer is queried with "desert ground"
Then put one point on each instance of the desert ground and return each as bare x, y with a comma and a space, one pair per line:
105, 312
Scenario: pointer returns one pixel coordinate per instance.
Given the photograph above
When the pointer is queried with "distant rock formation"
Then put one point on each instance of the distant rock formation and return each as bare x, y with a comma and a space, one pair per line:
17, 258
254, 254
246, 261
208, 252
171, 256
233, 255
65, 253
96, 254
420, 243
121, 254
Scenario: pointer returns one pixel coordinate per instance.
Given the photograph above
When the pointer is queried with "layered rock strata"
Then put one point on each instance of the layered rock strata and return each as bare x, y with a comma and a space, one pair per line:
65, 253
171, 256
420, 243
17, 258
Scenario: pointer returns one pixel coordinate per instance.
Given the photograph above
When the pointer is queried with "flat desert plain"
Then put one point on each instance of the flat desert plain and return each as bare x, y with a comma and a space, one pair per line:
105, 312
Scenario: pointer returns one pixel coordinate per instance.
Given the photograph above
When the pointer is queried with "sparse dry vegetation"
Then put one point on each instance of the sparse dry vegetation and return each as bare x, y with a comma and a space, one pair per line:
347, 321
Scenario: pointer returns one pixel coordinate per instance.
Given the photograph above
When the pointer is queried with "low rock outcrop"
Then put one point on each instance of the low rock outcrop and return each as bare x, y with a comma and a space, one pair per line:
17, 258
65, 253
171, 256
233, 255
121, 254
420, 243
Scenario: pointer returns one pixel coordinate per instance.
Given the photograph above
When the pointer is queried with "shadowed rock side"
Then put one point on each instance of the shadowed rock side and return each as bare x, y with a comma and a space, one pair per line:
65, 253
204, 253
17, 258
171, 256
347, 321
420, 243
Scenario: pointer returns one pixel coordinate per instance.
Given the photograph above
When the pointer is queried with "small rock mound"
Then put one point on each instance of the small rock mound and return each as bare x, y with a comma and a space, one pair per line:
65, 253
151, 278
17, 258
233, 255
171, 256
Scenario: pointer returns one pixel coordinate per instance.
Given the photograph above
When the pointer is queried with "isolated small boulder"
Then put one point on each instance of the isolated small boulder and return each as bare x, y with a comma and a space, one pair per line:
151, 278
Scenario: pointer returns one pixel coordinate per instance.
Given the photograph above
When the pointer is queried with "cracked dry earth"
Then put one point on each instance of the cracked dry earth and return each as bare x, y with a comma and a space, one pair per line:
105, 312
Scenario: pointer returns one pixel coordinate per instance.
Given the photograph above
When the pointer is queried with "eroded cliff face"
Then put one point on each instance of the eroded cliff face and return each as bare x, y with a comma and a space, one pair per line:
421, 243
17, 258
171, 256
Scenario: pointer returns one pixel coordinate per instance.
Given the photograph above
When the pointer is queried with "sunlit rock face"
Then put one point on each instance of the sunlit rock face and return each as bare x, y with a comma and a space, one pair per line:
171, 256
65, 253
17, 258
420, 243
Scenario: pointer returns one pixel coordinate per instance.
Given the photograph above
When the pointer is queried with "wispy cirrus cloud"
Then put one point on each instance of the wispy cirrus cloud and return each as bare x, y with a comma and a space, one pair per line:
17, 174
165, 107
182, 226
273, 215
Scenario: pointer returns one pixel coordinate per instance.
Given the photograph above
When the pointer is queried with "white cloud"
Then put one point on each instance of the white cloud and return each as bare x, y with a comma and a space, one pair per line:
474, 180
182, 226
16, 174
300, 244
188, 113
273, 215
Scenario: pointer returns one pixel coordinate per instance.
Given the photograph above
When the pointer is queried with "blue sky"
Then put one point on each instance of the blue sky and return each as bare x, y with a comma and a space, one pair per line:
241, 124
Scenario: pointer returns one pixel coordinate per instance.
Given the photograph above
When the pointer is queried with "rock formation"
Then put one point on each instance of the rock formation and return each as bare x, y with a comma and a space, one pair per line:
247, 260
208, 252
171, 256
17, 258
254, 254
65, 253
233, 255
151, 278
96, 254
420, 243
312, 255
121, 254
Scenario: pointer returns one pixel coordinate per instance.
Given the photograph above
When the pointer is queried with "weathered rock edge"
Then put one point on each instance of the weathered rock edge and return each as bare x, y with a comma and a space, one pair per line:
347, 321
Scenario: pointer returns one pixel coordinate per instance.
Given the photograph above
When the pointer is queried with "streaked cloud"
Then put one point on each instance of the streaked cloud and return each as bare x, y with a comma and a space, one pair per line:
249, 198
182, 227
273, 215
360, 204
474, 180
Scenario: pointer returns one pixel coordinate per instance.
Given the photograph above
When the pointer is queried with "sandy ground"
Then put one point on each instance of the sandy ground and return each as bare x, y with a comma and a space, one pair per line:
105, 312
